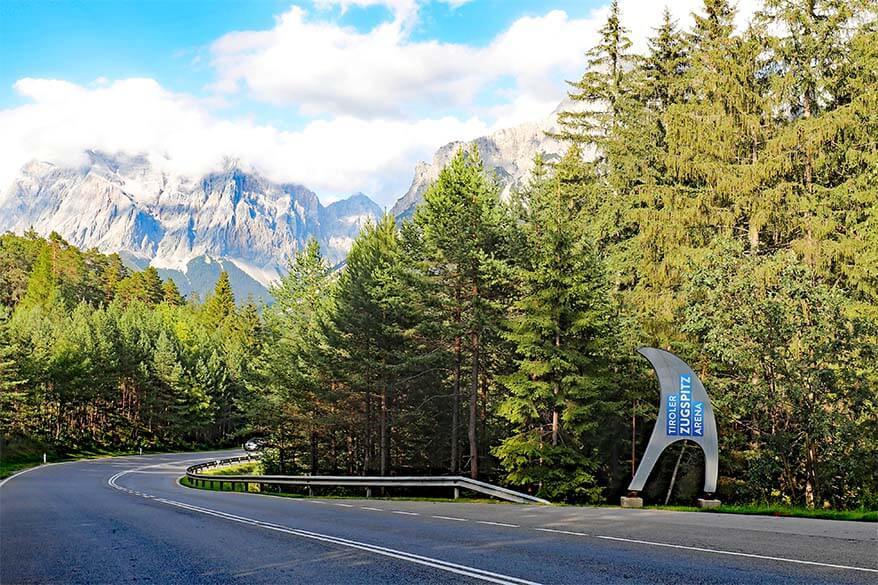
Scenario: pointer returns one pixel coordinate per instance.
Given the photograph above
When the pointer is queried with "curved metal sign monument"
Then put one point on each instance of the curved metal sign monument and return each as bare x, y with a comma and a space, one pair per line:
685, 414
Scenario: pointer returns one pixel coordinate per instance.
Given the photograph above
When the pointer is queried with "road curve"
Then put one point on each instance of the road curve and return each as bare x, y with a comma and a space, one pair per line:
127, 520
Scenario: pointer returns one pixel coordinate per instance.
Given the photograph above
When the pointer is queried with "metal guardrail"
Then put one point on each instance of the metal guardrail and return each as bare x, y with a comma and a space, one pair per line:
362, 481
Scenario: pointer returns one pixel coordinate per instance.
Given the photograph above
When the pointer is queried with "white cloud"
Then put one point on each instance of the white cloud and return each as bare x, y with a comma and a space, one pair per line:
376, 86
322, 67
333, 157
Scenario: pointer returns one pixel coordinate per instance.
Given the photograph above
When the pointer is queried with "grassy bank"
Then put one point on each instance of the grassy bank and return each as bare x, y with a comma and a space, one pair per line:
782, 511
12, 465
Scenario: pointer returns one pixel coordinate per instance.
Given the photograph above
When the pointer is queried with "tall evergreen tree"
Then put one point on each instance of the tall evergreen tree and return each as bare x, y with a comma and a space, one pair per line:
221, 304
604, 85
558, 326
171, 294
464, 227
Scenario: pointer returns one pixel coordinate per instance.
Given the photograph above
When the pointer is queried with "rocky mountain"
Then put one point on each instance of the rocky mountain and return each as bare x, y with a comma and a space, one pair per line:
508, 152
188, 227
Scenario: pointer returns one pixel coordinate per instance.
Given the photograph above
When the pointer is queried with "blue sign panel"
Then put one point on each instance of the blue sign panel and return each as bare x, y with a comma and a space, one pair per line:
684, 418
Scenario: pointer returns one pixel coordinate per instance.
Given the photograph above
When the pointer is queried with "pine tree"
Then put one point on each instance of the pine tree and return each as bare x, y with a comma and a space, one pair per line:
465, 227
603, 87
113, 274
558, 326
291, 370
42, 286
221, 304
171, 294
153, 293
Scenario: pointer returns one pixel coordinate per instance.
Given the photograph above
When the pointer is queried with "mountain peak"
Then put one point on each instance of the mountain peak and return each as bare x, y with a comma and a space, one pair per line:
123, 203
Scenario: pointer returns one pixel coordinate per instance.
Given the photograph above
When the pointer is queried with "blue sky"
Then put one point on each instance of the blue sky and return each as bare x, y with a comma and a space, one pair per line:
341, 95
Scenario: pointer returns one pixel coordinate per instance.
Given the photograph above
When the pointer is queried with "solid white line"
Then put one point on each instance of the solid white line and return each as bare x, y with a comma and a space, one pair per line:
451, 518
111, 481
29, 469
405, 513
464, 570
738, 554
561, 531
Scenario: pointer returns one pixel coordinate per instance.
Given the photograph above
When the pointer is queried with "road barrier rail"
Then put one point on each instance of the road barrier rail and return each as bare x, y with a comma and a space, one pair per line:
198, 479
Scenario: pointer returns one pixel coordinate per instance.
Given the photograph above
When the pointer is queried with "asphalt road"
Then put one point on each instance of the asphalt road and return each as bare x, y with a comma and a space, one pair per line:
127, 520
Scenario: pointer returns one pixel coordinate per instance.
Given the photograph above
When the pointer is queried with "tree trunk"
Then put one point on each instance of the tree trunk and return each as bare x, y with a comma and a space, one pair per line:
473, 407
674, 475
556, 389
314, 465
367, 455
385, 435
455, 408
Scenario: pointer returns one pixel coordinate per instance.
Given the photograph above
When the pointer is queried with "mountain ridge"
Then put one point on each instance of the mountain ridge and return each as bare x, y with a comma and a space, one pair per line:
124, 204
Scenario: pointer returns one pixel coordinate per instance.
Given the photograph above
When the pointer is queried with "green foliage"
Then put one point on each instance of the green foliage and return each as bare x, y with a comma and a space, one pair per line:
93, 358
719, 199
221, 304
560, 326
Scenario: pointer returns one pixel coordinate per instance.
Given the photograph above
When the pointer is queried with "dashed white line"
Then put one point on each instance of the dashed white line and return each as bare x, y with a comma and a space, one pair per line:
460, 569
561, 531
451, 518
737, 554
447, 566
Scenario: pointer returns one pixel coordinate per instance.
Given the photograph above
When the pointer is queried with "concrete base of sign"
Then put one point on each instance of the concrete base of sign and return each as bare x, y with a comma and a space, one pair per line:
708, 504
632, 502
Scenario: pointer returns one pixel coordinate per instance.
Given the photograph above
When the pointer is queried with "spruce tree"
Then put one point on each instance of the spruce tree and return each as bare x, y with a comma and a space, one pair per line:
603, 87
558, 327
221, 304
465, 227
171, 294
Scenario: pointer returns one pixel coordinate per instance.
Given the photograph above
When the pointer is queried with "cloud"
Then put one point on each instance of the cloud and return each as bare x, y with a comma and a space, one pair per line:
180, 134
387, 100
322, 67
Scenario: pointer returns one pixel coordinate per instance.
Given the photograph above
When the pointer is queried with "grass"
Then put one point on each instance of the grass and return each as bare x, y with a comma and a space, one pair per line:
782, 511
12, 465
249, 468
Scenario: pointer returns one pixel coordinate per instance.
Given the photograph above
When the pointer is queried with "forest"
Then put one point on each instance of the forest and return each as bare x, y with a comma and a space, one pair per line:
719, 199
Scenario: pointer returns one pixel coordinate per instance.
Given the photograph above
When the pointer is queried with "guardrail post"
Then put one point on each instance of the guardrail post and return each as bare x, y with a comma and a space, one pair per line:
368, 492
456, 492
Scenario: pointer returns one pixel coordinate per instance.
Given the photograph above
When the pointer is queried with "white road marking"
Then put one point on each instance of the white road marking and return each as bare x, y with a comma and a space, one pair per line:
342, 505
561, 531
464, 570
373, 509
738, 554
405, 513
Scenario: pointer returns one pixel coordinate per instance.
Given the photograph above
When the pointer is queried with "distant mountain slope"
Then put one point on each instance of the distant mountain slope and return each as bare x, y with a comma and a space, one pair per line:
182, 224
508, 152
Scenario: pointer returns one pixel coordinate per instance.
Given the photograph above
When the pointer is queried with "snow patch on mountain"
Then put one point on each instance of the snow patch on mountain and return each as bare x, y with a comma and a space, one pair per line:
123, 203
